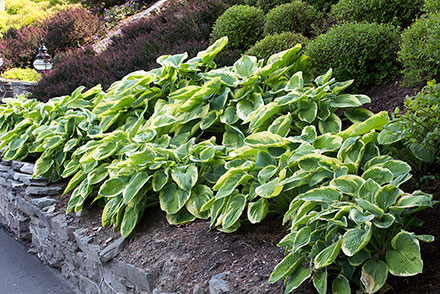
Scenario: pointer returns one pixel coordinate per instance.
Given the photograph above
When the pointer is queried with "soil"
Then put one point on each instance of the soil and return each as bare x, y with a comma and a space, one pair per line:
189, 255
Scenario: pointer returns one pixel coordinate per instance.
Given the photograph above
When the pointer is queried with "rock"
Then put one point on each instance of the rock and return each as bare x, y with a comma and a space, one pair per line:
27, 168
198, 289
217, 285
44, 191
44, 202
7, 163
4, 168
112, 250
91, 250
16, 165
143, 280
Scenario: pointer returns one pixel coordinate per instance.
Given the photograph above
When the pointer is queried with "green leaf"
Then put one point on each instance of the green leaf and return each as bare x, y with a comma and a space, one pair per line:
53, 142
281, 126
185, 176
104, 150
172, 198
405, 259
320, 281
374, 275
269, 189
227, 183
113, 187
287, 266
328, 142
354, 240
358, 115
328, 255
359, 258
71, 167
110, 209
98, 175
296, 82
332, 124
385, 221
135, 185
160, 178
345, 100
257, 210
378, 174
387, 196
368, 190
236, 207
322, 79
200, 195
43, 165
297, 278
78, 177
392, 133
323, 194
265, 140
208, 55
308, 111
129, 221
370, 207
348, 184
245, 66
341, 285
180, 218
376, 122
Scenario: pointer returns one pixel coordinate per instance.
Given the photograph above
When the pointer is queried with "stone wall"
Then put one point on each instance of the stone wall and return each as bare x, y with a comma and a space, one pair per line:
28, 208
14, 88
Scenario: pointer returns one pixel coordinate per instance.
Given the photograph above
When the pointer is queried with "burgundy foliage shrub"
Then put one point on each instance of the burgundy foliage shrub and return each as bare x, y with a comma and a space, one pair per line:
178, 28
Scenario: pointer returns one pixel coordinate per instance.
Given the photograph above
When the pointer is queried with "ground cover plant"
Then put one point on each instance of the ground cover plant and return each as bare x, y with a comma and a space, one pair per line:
22, 74
233, 144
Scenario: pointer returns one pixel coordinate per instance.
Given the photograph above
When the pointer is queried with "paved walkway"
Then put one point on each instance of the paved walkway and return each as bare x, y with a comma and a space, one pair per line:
24, 273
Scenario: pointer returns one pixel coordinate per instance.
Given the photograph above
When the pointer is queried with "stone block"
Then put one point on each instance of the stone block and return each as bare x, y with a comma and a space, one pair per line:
82, 239
44, 202
27, 168
217, 284
16, 165
44, 191
143, 280
112, 250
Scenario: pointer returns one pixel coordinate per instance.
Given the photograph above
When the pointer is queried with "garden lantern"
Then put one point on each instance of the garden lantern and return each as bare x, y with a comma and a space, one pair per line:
42, 61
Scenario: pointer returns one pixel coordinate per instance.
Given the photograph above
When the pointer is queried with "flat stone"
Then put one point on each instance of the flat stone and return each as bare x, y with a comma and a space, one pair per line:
217, 284
44, 191
16, 184
44, 202
143, 280
157, 291
198, 289
27, 168
7, 163
16, 165
91, 250
59, 225
4, 168
112, 250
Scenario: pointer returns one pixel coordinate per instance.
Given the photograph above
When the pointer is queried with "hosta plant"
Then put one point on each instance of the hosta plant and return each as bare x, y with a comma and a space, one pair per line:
232, 144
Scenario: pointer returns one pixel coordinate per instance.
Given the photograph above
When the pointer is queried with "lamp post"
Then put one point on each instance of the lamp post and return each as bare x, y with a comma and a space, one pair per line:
42, 61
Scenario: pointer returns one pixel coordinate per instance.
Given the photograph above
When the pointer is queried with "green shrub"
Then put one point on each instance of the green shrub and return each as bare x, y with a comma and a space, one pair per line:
242, 24
22, 74
323, 5
362, 51
267, 5
418, 129
396, 12
432, 6
272, 44
420, 50
296, 16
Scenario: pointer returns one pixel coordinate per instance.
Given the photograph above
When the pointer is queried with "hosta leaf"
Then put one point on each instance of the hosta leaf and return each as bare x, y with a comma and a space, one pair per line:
328, 142
359, 218
405, 259
160, 178
185, 176
113, 187
180, 218
172, 198
359, 258
266, 173
421, 152
257, 210
287, 266
320, 281
236, 207
328, 255
374, 275
349, 184
295, 82
367, 205
341, 285
264, 113
110, 209
345, 100
245, 66
358, 115
265, 140
53, 142
385, 221
376, 122
322, 79
387, 196
75, 180
129, 221
43, 165
135, 185
297, 278
302, 238
226, 185
209, 120
391, 134
308, 135
397, 167
378, 174
408, 201
269, 189
70, 144
163, 120
98, 175
308, 111
281, 126
106, 149
71, 167
200, 195
354, 240
311, 162
323, 194
208, 55
332, 124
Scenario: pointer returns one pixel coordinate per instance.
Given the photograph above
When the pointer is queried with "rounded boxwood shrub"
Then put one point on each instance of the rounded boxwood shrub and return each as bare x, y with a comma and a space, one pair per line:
296, 16
267, 5
396, 12
242, 24
432, 6
323, 5
272, 44
360, 51
420, 49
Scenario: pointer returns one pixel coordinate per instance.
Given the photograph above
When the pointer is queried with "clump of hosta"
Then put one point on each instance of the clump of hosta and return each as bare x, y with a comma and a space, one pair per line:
232, 144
